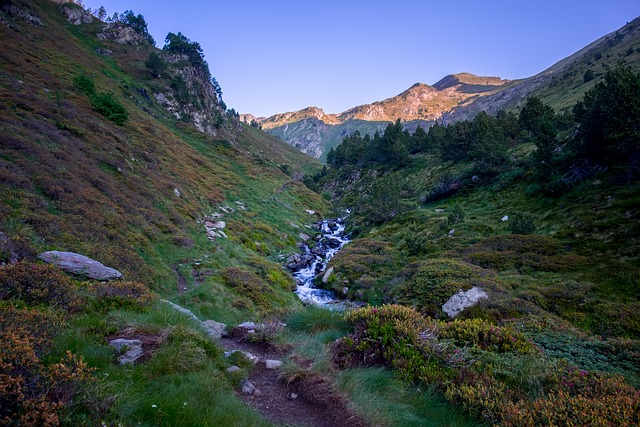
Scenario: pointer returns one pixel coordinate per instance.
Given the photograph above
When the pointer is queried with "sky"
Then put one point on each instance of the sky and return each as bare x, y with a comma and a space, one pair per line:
277, 56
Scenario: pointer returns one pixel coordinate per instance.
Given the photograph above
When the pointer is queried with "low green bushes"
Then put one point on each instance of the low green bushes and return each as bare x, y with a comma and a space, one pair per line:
493, 372
431, 283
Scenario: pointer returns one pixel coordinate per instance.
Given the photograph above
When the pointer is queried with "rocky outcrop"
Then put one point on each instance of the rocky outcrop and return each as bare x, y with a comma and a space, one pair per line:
11, 12
80, 265
121, 33
192, 96
76, 15
462, 300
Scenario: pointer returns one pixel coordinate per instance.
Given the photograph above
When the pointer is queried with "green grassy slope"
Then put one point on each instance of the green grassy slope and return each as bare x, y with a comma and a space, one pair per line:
134, 197
72, 180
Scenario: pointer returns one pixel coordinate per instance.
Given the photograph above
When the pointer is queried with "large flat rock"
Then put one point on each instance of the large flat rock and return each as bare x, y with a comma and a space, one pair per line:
80, 265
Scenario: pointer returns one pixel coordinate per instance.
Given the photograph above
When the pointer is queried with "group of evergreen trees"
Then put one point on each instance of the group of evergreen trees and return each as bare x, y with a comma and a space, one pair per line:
602, 131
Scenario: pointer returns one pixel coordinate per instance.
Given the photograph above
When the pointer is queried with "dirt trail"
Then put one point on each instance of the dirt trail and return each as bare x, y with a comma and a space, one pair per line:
288, 405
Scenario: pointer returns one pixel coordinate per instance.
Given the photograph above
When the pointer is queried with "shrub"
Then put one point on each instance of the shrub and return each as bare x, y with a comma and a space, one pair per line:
395, 336
36, 284
34, 393
121, 295
248, 285
155, 64
84, 84
521, 251
106, 104
435, 281
484, 335
521, 223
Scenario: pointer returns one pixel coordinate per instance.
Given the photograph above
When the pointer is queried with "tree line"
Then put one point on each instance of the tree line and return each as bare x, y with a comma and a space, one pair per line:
601, 131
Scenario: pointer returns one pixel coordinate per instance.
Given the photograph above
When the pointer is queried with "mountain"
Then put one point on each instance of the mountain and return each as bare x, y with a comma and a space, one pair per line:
565, 82
461, 96
314, 132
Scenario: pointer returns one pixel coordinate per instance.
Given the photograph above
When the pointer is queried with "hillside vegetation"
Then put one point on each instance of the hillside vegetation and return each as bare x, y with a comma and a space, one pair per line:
538, 210
125, 152
115, 149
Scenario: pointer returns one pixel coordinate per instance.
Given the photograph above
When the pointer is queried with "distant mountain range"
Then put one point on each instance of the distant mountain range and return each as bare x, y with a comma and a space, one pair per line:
458, 97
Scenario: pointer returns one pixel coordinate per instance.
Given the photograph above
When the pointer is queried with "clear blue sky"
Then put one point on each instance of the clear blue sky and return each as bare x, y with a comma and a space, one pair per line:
275, 56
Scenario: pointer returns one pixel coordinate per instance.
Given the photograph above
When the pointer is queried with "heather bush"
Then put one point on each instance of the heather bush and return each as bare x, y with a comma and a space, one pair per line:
432, 283
36, 284
121, 296
248, 285
33, 393
395, 336
484, 335
493, 372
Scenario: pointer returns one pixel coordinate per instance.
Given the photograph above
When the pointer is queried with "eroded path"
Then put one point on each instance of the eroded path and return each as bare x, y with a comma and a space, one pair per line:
288, 405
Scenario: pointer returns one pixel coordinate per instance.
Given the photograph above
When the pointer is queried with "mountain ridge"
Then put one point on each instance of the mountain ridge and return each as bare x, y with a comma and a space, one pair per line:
461, 96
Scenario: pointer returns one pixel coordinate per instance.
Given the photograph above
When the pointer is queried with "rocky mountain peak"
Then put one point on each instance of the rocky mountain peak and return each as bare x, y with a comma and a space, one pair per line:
470, 81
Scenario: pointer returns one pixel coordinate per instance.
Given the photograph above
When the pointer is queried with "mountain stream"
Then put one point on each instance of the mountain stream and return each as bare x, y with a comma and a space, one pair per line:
306, 266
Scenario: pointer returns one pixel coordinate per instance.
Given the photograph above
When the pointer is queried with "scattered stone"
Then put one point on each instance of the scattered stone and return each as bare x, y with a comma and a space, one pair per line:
462, 300
80, 265
439, 210
105, 52
272, 364
215, 330
310, 212
327, 275
220, 225
176, 192
248, 325
292, 396
452, 231
249, 389
252, 357
132, 349
345, 290
505, 218
304, 237
233, 368
475, 179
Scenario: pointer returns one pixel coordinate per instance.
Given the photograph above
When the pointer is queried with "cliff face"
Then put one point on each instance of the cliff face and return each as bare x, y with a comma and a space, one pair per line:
190, 95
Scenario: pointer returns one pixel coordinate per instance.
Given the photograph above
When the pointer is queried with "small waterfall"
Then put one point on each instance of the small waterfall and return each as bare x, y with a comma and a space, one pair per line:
308, 265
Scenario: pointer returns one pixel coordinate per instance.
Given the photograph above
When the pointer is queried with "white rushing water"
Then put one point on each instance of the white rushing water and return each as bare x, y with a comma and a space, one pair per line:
332, 240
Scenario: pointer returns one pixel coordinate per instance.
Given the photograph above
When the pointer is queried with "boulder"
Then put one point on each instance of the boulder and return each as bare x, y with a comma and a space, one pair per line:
272, 364
462, 300
233, 368
80, 265
129, 350
327, 275
249, 389
304, 237
215, 330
